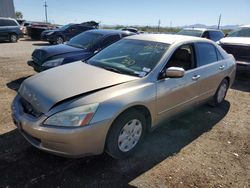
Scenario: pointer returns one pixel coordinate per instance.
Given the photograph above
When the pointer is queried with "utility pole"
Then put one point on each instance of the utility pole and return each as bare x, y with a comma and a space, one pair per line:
159, 24
45, 7
219, 22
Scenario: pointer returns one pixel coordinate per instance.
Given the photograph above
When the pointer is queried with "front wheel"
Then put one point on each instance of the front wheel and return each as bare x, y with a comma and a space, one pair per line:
126, 134
220, 93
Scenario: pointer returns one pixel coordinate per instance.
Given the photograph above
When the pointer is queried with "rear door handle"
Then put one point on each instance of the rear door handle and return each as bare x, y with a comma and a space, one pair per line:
196, 77
221, 67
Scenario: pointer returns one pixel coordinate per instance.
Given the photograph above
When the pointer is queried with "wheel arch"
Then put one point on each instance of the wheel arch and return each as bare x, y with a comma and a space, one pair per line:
227, 78
140, 108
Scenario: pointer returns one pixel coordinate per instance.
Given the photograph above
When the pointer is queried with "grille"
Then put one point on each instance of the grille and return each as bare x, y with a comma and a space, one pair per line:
240, 53
29, 109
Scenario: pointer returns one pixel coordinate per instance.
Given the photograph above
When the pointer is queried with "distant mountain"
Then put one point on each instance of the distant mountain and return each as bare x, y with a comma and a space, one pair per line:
211, 26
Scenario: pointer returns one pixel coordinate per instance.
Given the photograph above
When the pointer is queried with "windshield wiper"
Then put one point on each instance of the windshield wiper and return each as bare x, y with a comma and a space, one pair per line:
112, 69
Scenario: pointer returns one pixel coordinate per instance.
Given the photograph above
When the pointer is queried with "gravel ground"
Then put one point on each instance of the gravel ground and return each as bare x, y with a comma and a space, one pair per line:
206, 147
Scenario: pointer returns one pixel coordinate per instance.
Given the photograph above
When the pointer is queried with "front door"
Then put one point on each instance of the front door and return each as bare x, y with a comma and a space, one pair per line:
176, 94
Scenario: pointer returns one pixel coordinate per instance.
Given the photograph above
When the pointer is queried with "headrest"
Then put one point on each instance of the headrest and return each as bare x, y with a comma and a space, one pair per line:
182, 55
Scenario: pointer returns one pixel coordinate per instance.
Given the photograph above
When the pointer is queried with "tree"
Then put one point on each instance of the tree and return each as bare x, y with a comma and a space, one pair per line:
19, 15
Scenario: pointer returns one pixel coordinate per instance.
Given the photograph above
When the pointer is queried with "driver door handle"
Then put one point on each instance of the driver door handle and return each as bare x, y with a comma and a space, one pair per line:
196, 77
221, 67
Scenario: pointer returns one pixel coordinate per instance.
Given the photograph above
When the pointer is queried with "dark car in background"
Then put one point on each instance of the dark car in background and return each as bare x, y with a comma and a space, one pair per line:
212, 34
81, 47
237, 43
9, 30
34, 29
65, 33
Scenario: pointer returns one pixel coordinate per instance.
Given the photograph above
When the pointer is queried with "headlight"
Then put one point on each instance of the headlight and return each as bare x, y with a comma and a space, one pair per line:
53, 63
74, 117
50, 33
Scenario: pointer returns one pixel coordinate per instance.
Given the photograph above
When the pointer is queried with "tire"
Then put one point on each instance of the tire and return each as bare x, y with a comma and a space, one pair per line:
220, 94
13, 37
51, 42
59, 40
126, 134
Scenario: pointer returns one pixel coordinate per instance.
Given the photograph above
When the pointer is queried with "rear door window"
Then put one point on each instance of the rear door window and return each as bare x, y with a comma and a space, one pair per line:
215, 35
206, 53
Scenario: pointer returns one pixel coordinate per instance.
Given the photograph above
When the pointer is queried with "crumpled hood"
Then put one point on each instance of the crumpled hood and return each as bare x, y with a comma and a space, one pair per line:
236, 40
45, 89
47, 52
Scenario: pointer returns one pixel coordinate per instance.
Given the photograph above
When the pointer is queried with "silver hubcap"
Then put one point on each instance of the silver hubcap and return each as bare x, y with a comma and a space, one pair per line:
222, 92
59, 40
130, 135
13, 37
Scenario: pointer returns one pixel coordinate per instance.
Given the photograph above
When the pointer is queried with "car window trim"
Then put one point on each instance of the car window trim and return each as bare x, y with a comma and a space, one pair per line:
170, 55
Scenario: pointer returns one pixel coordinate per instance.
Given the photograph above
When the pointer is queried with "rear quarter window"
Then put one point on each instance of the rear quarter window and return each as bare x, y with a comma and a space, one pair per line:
206, 53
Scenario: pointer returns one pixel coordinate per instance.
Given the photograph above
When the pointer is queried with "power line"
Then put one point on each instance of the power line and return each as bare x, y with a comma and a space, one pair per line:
45, 7
159, 25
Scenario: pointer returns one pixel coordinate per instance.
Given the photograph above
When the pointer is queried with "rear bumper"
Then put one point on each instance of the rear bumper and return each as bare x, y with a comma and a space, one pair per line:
68, 142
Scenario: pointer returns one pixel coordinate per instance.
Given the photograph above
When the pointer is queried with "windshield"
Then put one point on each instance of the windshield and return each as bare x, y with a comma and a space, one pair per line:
190, 32
65, 27
132, 57
241, 32
85, 40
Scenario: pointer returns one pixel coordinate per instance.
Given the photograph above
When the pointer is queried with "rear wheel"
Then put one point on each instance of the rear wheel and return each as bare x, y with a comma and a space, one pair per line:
13, 37
220, 93
126, 134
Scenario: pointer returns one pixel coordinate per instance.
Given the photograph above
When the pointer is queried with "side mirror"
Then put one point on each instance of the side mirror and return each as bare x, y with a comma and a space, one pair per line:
175, 72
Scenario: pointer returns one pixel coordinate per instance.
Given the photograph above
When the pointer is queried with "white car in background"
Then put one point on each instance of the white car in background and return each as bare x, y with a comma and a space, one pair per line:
212, 34
237, 43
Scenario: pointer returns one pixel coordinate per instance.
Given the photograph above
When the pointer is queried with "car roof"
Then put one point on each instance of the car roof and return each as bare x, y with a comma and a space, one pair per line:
245, 26
4, 18
167, 38
200, 29
110, 31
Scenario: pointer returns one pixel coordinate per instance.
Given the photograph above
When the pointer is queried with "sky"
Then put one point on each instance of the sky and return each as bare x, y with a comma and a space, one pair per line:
138, 12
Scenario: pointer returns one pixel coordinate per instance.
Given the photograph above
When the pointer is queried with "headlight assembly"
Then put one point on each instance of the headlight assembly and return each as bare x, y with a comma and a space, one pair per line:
53, 62
75, 117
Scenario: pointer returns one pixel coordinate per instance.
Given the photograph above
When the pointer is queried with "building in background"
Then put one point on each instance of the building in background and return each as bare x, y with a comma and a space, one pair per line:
7, 8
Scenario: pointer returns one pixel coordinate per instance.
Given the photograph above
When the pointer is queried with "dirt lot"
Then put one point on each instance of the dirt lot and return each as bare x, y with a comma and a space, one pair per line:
206, 147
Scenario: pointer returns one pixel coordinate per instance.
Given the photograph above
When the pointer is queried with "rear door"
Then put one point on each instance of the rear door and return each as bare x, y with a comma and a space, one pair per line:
70, 32
177, 94
211, 66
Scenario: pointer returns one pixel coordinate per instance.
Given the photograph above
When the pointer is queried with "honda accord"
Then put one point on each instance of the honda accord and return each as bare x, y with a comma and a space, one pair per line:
110, 101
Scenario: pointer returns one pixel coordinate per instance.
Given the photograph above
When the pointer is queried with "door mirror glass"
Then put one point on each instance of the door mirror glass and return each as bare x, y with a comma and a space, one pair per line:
175, 72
